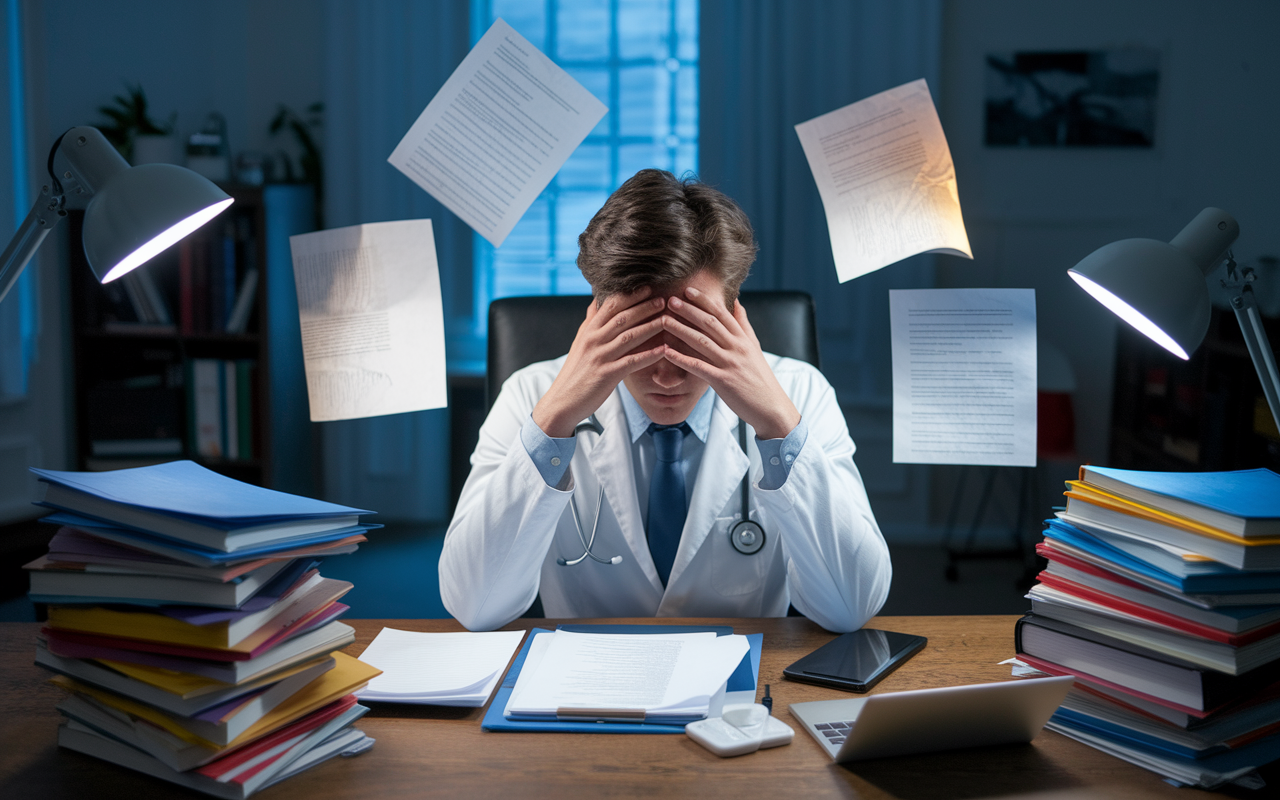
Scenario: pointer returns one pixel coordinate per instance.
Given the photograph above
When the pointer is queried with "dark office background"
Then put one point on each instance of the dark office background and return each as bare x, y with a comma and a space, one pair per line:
1031, 212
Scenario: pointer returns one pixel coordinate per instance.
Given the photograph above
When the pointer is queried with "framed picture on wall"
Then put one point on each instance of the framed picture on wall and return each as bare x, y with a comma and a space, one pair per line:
1078, 98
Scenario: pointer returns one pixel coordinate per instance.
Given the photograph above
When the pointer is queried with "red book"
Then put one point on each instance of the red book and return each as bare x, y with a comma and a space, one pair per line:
315, 719
1154, 616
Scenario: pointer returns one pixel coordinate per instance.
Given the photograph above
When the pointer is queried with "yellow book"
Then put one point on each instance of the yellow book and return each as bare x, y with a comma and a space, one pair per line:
187, 686
349, 675
1099, 497
154, 627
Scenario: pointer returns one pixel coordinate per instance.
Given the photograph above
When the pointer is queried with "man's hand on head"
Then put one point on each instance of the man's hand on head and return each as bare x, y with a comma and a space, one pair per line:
603, 353
723, 350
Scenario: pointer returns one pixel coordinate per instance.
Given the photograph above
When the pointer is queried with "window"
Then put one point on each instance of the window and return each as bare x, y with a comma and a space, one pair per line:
640, 58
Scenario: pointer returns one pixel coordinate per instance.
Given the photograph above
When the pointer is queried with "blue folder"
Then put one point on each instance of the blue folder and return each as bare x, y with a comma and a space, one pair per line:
1254, 754
186, 490
744, 678
1204, 577
194, 552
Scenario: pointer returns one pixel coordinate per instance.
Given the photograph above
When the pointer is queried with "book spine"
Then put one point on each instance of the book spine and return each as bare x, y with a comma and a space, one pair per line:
231, 408
217, 284
207, 392
155, 298
186, 287
228, 274
244, 408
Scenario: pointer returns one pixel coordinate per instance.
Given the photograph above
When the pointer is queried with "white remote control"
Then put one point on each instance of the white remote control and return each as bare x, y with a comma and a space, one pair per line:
744, 728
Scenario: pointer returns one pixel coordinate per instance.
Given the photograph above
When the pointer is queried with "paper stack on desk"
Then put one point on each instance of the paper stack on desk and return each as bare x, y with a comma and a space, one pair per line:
191, 629
670, 678
1175, 647
438, 669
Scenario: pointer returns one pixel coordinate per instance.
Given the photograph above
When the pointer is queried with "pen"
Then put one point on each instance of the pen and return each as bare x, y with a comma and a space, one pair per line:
767, 701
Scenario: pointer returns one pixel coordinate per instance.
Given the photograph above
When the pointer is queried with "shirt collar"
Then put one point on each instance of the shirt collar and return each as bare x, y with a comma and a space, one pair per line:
699, 418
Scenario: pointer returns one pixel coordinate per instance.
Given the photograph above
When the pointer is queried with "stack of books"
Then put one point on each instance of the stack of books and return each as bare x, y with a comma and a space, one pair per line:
191, 629
1162, 597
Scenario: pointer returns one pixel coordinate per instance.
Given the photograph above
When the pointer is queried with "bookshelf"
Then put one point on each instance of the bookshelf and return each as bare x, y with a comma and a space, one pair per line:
200, 357
1201, 415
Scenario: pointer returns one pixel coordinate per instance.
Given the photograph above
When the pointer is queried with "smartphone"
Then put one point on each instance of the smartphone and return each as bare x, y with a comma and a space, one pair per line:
856, 661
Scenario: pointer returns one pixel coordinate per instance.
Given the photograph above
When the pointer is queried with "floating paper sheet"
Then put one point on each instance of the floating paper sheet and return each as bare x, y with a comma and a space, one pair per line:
372, 320
964, 376
496, 133
887, 182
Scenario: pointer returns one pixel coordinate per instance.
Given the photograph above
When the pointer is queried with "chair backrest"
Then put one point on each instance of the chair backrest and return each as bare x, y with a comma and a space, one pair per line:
524, 330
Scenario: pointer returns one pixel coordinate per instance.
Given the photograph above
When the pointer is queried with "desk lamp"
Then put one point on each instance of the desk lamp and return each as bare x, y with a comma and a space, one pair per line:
1161, 290
131, 214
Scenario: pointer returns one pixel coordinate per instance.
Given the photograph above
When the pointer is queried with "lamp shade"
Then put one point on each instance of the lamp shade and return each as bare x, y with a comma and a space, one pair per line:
1160, 288
141, 211
1154, 286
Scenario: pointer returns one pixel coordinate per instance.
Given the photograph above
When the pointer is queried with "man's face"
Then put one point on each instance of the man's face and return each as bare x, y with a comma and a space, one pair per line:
666, 392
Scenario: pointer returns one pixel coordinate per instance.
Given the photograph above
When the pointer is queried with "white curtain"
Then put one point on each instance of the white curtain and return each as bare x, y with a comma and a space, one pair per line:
385, 60
766, 66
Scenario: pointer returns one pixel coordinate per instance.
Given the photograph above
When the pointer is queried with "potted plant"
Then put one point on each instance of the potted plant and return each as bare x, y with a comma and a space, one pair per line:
139, 138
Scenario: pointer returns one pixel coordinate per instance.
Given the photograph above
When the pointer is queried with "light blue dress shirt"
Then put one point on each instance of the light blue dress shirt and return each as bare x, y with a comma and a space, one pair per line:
552, 456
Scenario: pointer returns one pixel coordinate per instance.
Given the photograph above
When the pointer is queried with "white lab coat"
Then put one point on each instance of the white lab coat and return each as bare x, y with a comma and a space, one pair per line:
823, 550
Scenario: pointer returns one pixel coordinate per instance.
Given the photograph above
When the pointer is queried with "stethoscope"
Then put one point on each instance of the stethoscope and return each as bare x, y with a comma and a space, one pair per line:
746, 536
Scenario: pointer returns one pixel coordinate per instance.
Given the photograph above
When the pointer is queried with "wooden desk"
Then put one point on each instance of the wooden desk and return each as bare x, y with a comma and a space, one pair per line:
439, 752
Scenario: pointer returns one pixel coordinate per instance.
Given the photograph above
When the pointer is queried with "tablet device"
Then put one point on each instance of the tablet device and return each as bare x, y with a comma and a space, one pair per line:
856, 661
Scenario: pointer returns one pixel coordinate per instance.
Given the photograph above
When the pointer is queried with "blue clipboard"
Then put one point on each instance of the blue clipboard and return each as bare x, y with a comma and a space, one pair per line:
744, 678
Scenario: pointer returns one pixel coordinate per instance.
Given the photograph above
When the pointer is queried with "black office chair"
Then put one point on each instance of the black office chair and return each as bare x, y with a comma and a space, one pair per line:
525, 330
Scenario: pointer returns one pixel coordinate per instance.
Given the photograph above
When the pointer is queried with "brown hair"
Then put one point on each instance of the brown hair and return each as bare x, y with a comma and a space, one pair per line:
658, 230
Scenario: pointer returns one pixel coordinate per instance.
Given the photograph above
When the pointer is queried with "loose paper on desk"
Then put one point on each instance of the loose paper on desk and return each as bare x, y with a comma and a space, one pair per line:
964, 376
496, 133
442, 669
887, 182
664, 675
372, 321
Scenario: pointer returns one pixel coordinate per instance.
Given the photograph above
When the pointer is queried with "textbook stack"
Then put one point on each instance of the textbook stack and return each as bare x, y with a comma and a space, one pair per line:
191, 630
1162, 597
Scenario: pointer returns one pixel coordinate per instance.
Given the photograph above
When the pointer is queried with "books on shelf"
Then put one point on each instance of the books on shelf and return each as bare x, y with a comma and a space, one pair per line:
189, 626
220, 408
1161, 595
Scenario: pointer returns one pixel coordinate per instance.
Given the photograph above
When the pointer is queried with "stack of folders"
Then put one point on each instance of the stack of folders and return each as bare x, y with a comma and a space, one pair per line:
191, 630
1162, 597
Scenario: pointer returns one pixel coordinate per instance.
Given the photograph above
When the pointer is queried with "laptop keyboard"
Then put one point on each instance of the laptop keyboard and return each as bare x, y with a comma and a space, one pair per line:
836, 732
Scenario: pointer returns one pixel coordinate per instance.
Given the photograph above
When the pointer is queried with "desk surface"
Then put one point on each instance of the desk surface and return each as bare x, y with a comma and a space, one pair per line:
426, 751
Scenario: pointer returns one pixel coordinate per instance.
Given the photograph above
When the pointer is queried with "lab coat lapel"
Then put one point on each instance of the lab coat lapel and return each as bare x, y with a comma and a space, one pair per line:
610, 459
721, 471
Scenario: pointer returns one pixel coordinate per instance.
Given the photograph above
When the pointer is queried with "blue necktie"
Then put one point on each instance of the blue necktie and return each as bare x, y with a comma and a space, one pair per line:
666, 496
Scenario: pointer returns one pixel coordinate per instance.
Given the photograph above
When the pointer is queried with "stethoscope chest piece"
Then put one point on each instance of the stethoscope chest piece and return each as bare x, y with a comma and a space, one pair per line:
747, 537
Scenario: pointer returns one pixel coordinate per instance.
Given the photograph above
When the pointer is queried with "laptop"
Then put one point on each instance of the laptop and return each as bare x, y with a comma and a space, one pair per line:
926, 720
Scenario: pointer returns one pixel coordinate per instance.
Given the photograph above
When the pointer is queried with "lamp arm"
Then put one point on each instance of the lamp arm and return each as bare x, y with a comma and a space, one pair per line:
1255, 338
44, 215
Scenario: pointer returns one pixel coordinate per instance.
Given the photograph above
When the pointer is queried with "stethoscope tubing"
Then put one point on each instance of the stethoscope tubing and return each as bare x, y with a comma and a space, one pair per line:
742, 536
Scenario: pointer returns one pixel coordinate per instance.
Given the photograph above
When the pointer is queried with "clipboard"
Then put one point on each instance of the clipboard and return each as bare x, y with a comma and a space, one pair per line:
744, 680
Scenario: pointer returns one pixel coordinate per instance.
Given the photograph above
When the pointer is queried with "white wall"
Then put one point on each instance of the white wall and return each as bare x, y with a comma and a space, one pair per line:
1033, 213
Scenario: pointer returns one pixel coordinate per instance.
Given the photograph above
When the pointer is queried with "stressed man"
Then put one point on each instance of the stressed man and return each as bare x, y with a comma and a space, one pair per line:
610, 480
